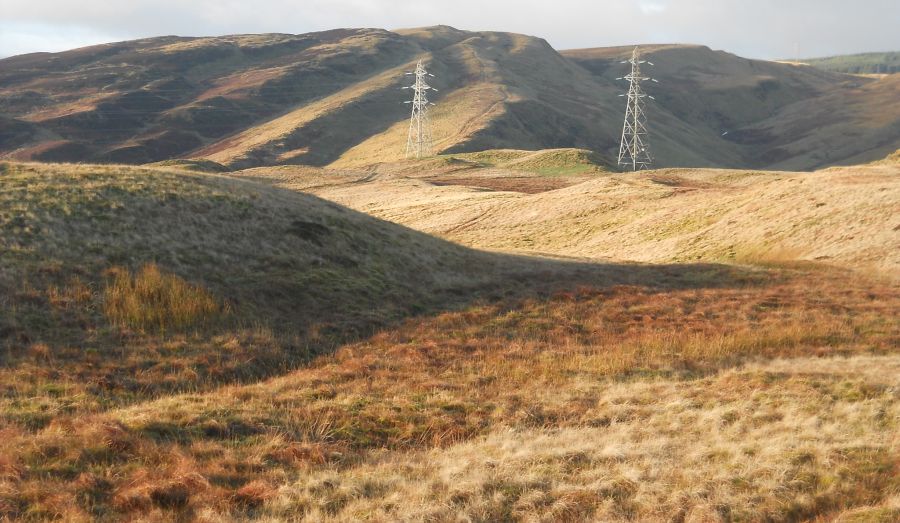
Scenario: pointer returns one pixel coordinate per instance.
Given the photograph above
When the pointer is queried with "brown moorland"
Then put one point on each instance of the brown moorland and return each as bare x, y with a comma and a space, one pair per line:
769, 399
189, 346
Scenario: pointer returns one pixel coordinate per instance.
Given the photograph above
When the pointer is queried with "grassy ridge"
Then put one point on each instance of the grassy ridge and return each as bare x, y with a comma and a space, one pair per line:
551, 162
840, 215
121, 283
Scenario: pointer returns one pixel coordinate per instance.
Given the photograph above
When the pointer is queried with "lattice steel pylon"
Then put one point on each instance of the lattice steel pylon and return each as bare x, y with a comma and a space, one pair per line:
634, 151
419, 142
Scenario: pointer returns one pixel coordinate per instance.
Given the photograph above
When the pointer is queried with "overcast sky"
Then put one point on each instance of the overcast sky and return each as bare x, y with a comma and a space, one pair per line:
751, 28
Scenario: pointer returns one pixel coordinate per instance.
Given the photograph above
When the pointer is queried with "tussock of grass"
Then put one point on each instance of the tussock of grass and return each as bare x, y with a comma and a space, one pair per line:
154, 300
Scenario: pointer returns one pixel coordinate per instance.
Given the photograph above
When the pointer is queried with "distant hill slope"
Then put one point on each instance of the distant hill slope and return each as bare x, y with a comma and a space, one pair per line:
841, 215
333, 98
750, 113
864, 63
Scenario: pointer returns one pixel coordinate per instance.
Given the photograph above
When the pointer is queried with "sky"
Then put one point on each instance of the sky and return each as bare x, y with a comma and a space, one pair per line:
766, 29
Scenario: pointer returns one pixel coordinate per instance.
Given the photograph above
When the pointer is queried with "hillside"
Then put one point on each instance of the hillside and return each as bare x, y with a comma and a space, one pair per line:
333, 98
179, 345
756, 114
842, 215
122, 283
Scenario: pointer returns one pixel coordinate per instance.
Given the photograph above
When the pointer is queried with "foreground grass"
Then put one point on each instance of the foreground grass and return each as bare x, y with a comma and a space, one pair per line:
167, 355
758, 402
748, 445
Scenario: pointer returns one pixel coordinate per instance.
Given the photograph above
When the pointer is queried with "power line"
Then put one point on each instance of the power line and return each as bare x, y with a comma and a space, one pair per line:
633, 150
419, 141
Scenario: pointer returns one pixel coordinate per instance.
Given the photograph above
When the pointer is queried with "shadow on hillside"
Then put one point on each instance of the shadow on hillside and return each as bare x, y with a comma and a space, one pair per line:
424, 275
302, 277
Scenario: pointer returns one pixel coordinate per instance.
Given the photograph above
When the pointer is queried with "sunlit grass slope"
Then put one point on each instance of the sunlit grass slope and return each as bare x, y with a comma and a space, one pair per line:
183, 346
120, 282
842, 215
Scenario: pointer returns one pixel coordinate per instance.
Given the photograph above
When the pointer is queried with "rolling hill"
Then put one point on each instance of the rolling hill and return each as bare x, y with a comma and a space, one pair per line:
179, 345
553, 202
99, 265
274, 318
333, 98
128, 282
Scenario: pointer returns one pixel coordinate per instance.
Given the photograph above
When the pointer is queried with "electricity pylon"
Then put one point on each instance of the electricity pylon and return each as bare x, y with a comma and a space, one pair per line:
419, 142
633, 151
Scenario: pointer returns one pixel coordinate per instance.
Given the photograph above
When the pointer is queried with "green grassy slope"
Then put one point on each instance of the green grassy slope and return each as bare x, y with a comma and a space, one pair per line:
554, 162
864, 63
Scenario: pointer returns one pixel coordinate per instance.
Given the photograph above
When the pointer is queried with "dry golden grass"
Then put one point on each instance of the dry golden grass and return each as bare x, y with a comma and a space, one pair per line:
763, 401
424, 381
746, 445
846, 216
153, 300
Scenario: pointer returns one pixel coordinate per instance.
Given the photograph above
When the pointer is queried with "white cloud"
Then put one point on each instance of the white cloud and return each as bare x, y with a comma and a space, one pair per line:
762, 28
649, 8
21, 38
